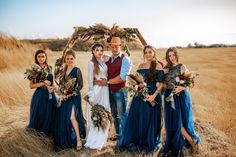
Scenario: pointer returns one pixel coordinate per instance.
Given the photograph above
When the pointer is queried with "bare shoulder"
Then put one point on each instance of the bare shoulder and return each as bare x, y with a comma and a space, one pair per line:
183, 67
166, 70
159, 66
141, 66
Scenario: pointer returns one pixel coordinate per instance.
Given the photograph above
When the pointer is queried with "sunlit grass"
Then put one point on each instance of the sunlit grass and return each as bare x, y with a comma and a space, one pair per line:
214, 105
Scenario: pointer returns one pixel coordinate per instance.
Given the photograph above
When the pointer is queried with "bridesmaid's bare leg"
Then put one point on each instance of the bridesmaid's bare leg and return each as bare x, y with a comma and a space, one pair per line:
75, 126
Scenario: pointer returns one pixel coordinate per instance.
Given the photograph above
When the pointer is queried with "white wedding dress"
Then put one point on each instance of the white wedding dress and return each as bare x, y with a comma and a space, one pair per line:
96, 139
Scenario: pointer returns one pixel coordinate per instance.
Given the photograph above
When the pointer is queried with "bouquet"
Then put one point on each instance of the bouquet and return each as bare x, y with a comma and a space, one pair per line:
184, 79
59, 69
134, 82
100, 116
67, 88
36, 73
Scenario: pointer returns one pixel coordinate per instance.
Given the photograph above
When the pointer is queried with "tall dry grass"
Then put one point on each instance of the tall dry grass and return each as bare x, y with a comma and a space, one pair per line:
15, 57
213, 100
14, 53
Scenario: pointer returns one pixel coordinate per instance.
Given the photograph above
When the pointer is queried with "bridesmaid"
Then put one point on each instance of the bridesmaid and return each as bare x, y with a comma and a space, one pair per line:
179, 121
42, 105
70, 123
143, 126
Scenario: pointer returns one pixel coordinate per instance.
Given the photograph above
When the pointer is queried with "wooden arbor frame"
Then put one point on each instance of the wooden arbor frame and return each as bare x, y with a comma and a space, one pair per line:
97, 32
100, 31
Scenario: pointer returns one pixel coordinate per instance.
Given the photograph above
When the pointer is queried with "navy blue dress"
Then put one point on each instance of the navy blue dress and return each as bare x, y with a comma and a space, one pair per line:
42, 109
143, 126
178, 117
63, 132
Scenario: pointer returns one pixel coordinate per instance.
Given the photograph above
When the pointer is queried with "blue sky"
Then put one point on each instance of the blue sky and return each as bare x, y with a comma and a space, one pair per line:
162, 23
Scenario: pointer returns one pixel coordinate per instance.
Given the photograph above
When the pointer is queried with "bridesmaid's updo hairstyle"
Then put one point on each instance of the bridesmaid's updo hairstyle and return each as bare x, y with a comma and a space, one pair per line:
169, 63
36, 55
94, 60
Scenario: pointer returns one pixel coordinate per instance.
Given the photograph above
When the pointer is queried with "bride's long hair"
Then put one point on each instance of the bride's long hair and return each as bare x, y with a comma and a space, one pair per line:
94, 60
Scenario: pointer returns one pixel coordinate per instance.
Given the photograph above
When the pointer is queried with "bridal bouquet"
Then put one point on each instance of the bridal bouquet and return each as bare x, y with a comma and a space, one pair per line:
67, 88
185, 79
100, 116
137, 86
36, 73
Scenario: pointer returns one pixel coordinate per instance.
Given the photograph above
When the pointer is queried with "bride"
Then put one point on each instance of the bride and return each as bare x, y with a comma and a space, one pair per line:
97, 70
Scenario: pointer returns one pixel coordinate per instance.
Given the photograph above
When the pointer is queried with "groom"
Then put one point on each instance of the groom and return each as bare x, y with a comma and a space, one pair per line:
119, 66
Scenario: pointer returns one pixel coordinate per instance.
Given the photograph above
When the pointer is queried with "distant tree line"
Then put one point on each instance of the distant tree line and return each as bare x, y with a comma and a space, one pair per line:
198, 45
59, 44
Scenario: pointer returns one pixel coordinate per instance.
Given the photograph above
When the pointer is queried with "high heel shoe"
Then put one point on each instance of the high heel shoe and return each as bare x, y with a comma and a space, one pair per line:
194, 147
79, 147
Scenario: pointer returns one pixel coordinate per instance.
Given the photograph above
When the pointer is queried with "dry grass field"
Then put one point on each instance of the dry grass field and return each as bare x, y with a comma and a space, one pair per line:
213, 99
